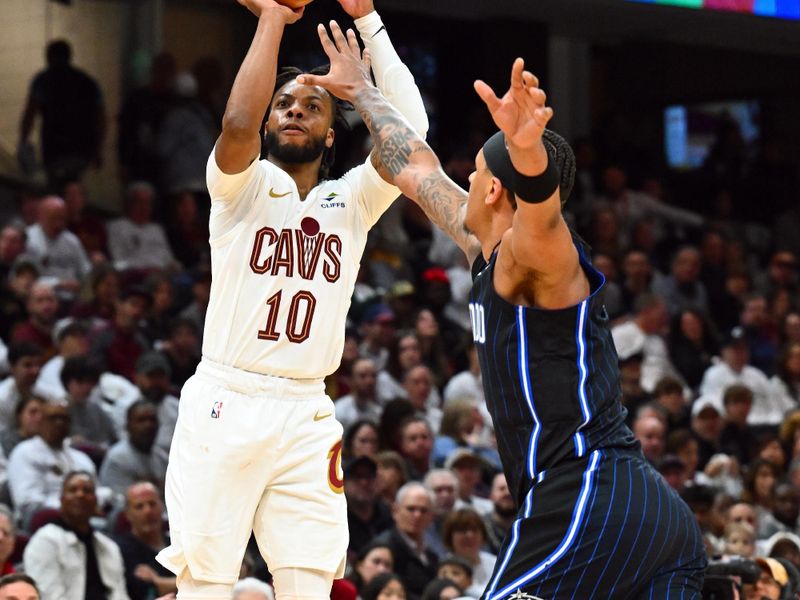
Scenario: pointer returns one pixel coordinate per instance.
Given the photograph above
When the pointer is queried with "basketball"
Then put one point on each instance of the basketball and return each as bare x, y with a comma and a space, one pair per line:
294, 4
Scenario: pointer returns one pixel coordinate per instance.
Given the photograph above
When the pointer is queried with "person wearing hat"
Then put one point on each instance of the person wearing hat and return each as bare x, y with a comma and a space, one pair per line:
773, 579
548, 362
467, 466
768, 407
401, 300
706, 427
121, 343
378, 331
71, 338
367, 515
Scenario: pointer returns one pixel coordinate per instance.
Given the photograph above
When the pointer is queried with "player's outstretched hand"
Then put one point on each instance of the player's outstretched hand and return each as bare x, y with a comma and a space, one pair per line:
349, 71
259, 6
521, 113
357, 8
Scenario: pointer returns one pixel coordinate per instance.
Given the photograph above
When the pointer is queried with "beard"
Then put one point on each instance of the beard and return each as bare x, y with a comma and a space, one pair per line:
506, 512
294, 153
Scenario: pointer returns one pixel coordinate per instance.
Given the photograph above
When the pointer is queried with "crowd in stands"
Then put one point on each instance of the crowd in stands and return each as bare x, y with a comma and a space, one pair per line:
101, 323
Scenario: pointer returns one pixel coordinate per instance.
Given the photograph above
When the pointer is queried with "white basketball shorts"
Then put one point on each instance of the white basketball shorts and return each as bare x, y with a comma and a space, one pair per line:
254, 453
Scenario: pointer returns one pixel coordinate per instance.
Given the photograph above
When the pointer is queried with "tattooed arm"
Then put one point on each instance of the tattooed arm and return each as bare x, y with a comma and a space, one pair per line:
408, 161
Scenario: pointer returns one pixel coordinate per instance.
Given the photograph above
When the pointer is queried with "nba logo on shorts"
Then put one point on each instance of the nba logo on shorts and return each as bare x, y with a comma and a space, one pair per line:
216, 410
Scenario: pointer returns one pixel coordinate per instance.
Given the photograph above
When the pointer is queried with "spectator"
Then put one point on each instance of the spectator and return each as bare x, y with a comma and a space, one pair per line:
738, 439
42, 307
418, 384
83, 223
378, 334
431, 334
767, 409
144, 576
468, 466
707, 427
392, 475
188, 132
7, 541
72, 339
760, 333
102, 303
456, 569
14, 294
91, 428
251, 588
415, 563
682, 289
18, 586
441, 589
187, 229
498, 522
25, 359
140, 119
467, 384
152, 379
136, 458
786, 381
651, 434
786, 507
759, 490
12, 245
120, 345
465, 534
201, 290
367, 515
674, 472
416, 445
772, 581
443, 484
740, 539
69, 558
668, 394
373, 559
644, 334
57, 249
70, 105
182, 351
134, 241
27, 419
403, 354
362, 401
36, 467
692, 345
461, 426
360, 439
161, 315
387, 586
637, 278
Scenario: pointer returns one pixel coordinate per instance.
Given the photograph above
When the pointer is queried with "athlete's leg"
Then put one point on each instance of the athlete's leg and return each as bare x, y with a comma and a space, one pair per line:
681, 584
301, 584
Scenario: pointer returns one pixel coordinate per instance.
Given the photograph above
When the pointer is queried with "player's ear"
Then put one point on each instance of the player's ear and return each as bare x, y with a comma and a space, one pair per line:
495, 192
329, 137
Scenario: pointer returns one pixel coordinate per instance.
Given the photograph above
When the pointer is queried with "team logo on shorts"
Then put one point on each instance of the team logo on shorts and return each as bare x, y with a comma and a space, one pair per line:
216, 410
335, 476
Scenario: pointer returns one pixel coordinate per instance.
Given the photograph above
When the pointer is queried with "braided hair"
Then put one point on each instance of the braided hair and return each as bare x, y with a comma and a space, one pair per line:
340, 108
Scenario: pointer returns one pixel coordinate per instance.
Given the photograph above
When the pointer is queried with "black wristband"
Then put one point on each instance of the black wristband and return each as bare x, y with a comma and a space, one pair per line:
538, 189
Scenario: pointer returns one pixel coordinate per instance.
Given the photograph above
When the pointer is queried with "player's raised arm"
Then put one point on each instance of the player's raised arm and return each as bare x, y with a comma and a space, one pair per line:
240, 141
540, 241
409, 161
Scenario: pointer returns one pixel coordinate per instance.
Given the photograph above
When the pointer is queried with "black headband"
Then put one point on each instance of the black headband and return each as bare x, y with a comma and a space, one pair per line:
499, 162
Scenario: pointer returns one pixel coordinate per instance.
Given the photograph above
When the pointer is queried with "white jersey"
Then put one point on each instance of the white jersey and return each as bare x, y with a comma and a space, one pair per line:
283, 269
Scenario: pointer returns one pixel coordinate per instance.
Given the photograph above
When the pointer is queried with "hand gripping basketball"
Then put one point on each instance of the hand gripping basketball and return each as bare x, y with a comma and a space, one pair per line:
291, 10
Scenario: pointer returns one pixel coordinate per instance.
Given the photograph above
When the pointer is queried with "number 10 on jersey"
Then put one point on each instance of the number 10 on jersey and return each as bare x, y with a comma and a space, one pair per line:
297, 331
476, 315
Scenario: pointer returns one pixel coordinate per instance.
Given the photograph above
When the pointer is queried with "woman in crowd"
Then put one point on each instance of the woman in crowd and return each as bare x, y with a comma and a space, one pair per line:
441, 589
374, 559
27, 418
360, 439
692, 344
386, 586
464, 534
786, 381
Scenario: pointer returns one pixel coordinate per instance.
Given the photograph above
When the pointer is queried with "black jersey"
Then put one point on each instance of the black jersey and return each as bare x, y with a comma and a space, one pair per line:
550, 377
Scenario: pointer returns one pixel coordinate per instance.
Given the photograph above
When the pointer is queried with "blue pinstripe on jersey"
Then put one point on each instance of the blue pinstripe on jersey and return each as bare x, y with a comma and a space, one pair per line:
580, 445
525, 381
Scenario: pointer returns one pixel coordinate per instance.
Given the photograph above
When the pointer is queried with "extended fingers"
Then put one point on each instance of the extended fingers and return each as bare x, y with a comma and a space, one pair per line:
338, 37
487, 95
327, 44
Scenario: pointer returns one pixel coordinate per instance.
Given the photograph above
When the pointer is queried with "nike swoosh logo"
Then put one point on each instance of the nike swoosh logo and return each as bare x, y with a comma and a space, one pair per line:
272, 194
319, 417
